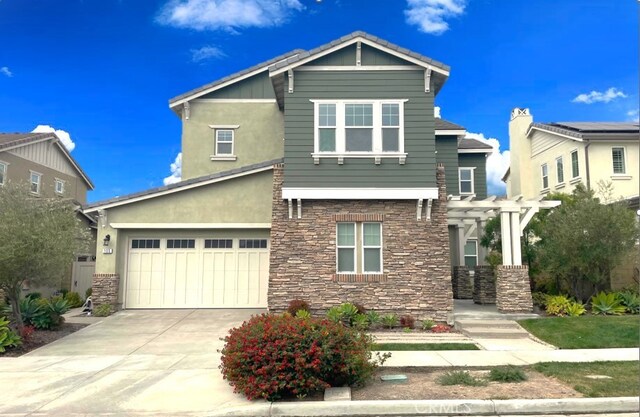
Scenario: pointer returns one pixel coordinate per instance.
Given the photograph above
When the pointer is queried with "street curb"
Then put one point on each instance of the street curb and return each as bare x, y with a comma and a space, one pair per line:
615, 405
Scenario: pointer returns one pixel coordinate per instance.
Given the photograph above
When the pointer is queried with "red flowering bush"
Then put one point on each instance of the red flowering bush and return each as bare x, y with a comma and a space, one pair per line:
275, 356
441, 328
26, 333
407, 322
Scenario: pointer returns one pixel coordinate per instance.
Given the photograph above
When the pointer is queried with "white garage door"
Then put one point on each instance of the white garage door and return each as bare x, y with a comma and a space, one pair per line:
197, 273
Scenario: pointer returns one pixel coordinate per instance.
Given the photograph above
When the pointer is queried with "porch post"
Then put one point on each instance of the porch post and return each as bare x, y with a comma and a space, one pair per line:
515, 238
461, 242
505, 229
482, 251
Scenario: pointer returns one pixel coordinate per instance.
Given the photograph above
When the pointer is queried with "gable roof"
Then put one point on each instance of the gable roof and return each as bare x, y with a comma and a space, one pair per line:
182, 185
591, 130
473, 146
15, 140
442, 124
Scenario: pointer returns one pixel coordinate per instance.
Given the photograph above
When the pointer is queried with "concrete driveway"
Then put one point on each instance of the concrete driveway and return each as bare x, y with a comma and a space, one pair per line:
136, 362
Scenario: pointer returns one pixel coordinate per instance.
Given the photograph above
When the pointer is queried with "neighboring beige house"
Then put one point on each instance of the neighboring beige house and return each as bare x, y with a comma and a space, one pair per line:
554, 157
42, 162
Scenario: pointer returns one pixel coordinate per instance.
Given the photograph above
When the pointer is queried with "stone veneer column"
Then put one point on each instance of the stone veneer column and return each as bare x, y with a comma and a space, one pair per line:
416, 276
513, 290
105, 289
462, 287
484, 285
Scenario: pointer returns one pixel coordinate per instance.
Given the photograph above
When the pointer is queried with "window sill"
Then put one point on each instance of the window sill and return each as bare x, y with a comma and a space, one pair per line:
575, 180
223, 158
372, 277
377, 157
559, 186
545, 191
620, 177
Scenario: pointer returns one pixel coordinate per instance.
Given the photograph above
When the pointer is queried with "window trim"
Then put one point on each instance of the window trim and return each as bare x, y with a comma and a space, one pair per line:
363, 247
39, 183
575, 152
359, 247
354, 248
473, 180
215, 156
544, 167
340, 129
624, 161
558, 171
55, 186
464, 255
4, 169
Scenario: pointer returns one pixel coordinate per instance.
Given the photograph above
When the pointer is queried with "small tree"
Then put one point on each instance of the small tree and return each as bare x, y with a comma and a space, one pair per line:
38, 238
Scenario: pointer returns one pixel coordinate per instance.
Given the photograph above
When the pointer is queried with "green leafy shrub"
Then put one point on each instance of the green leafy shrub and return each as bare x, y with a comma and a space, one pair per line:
575, 309
373, 317
30, 310
63, 292
44, 314
389, 320
360, 321
88, 292
73, 299
460, 378
630, 300
297, 305
428, 324
607, 303
557, 305
507, 374
335, 314
276, 356
33, 295
8, 338
539, 299
348, 311
103, 310
407, 321
303, 314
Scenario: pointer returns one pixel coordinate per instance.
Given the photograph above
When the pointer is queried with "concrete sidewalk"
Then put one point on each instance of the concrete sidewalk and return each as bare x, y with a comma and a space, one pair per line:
452, 358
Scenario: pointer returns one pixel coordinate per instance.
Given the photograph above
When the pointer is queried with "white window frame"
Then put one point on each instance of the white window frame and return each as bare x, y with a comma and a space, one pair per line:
354, 248
4, 167
543, 168
341, 128
624, 161
473, 185
233, 140
38, 183
62, 184
575, 152
363, 247
558, 171
224, 157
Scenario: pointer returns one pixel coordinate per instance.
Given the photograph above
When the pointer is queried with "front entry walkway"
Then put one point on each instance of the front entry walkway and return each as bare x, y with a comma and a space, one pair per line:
137, 362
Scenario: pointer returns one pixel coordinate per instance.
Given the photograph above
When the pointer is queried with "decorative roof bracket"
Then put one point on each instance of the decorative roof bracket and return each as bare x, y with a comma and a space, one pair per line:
427, 80
290, 73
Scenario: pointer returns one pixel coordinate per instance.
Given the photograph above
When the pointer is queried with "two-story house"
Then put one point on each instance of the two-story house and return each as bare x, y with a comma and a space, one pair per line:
554, 157
43, 164
320, 175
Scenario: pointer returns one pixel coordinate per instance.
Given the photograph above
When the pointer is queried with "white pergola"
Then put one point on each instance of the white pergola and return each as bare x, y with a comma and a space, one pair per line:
469, 215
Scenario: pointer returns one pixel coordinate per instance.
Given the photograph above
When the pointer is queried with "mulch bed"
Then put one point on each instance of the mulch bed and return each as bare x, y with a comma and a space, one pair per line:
43, 337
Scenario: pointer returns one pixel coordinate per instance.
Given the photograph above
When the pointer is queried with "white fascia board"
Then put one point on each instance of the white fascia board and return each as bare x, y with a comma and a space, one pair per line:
361, 68
461, 132
359, 193
175, 190
191, 225
532, 128
366, 42
234, 100
475, 150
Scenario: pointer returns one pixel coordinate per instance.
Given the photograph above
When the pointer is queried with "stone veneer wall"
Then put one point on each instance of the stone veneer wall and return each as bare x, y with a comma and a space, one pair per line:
514, 292
461, 283
105, 289
484, 285
417, 272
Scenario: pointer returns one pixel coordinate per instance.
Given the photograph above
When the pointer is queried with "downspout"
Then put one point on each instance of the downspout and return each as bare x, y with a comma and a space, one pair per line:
586, 164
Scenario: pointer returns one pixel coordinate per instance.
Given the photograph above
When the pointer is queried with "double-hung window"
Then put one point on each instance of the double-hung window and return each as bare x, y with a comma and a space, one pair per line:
465, 176
617, 156
359, 247
3, 173
575, 167
559, 170
359, 128
59, 186
224, 142
471, 253
35, 180
545, 176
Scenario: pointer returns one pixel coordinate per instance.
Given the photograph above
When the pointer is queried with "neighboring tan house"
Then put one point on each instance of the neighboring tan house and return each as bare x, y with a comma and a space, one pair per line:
41, 161
313, 176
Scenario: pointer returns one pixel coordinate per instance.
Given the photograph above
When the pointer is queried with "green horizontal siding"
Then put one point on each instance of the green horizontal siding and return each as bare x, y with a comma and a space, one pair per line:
447, 147
373, 56
257, 87
479, 161
419, 141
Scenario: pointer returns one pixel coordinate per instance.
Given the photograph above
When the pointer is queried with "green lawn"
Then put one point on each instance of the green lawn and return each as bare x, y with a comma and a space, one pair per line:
624, 380
586, 332
424, 346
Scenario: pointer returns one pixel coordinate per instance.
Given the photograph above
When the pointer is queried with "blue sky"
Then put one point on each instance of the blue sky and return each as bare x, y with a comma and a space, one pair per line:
102, 71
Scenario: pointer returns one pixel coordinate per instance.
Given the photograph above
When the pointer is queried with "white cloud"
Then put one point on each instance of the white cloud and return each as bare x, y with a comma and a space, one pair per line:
176, 171
497, 164
634, 115
430, 15
598, 96
227, 14
63, 135
206, 53
436, 112
6, 71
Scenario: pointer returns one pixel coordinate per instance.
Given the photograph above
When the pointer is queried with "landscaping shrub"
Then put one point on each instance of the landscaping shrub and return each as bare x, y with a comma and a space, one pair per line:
42, 313
407, 322
441, 328
389, 320
103, 310
303, 314
427, 324
539, 299
360, 321
373, 317
360, 308
507, 374
575, 309
344, 313
73, 299
606, 303
460, 378
8, 338
33, 295
275, 356
296, 305
88, 293
557, 305
26, 333
630, 300
31, 310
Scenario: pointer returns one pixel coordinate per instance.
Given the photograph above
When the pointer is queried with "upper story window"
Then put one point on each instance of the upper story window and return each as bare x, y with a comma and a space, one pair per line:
617, 156
559, 170
3, 172
359, 128
465, 176
545, 177
35, 181
59, 186
575, 167
224, 142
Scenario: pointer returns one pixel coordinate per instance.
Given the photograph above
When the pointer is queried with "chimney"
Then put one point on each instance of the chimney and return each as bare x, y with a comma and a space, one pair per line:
520, 147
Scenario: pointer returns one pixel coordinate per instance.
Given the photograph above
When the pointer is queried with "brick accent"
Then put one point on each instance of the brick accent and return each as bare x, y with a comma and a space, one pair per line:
461, 282
514, 292
105, 289
484, 285
417, 271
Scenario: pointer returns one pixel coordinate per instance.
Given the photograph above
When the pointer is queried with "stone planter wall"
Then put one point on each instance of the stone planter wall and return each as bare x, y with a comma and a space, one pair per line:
514, 292
461, 282
484, 285
105, 289
416, 276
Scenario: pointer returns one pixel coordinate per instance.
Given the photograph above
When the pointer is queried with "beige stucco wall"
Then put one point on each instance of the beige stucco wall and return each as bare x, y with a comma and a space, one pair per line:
18, 170
547, 149
259, 138
601, 167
